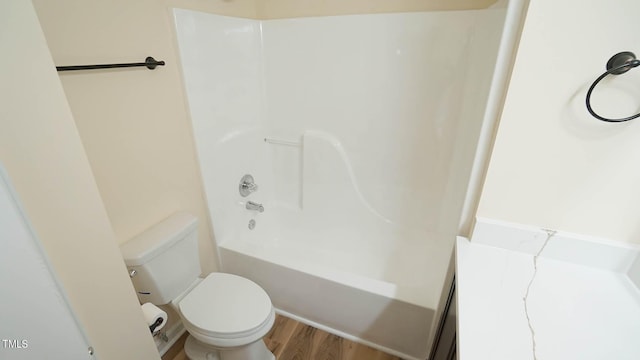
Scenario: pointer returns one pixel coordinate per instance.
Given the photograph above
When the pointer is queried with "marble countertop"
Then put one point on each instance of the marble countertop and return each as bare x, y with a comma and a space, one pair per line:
518, 305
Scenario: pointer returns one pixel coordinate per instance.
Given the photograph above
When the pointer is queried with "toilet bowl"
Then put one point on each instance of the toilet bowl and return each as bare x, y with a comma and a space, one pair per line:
225, 315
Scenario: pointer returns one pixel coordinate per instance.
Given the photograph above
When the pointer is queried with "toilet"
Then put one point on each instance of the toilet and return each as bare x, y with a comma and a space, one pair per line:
226, 315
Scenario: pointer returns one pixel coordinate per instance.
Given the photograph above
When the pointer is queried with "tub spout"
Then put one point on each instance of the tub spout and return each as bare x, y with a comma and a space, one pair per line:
254, 206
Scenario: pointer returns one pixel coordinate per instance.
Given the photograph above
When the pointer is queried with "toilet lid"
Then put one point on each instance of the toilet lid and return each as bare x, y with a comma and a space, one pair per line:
225, 304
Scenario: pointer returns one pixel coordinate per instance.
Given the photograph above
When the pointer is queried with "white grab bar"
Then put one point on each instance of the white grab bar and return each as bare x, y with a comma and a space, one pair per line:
282, 142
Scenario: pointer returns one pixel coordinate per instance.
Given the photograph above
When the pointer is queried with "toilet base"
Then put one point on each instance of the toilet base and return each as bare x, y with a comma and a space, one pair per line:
197, 350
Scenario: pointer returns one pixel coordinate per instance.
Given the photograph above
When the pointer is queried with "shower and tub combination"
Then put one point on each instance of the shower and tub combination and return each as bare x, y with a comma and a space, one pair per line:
336, 154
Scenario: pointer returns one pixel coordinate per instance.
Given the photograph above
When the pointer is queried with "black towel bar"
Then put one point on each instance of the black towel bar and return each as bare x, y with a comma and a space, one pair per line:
149, 62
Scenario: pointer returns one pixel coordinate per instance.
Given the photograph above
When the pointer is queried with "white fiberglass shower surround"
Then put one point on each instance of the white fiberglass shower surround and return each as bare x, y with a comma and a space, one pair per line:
360, 132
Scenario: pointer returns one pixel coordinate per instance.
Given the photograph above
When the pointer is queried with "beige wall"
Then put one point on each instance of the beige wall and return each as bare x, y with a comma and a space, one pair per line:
43, 155
275, 9
133, 122
237, 8
553, 165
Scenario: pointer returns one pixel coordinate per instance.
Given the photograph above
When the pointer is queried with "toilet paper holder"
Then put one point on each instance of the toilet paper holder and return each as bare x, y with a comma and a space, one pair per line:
155, 317
157, 323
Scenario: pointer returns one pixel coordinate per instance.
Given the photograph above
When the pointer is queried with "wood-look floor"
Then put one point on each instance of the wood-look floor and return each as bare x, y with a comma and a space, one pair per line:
293, 340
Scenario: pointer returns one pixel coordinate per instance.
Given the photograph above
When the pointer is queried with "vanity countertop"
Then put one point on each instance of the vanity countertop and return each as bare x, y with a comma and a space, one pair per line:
514, 305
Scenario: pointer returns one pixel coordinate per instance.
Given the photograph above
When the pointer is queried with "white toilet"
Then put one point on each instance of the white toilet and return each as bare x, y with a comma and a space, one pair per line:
226, 315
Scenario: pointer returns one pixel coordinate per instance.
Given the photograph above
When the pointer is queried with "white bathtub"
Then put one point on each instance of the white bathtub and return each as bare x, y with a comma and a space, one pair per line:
303, 286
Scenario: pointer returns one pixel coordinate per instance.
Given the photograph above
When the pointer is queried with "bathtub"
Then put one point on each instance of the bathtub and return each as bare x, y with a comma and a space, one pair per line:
344, 303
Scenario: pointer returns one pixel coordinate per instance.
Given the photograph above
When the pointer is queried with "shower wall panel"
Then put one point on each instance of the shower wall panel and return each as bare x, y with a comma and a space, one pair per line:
388, 88
222, 66
360, 130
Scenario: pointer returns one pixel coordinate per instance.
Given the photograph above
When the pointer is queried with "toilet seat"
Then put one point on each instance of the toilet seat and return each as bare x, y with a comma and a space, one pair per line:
226, 310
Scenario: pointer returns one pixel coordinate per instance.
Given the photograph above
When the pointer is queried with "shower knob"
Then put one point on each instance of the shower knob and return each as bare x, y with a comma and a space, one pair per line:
132, 272
247, 185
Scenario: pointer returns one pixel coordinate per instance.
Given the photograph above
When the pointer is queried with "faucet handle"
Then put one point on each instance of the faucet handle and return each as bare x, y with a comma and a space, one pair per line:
247, 185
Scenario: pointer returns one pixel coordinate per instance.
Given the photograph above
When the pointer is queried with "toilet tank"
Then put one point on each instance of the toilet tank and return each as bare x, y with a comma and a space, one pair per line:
163, 260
